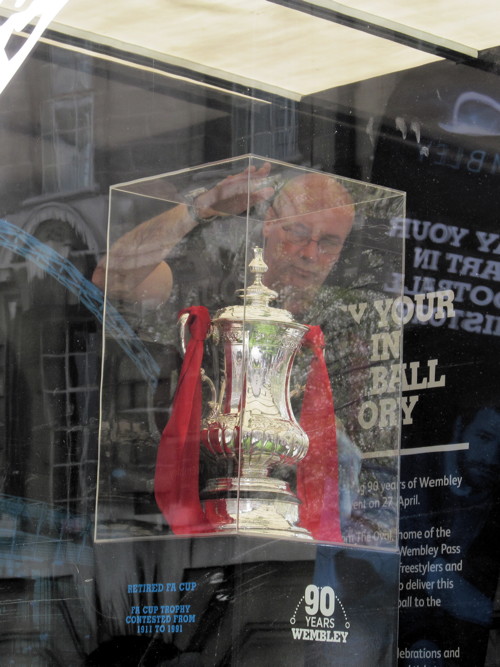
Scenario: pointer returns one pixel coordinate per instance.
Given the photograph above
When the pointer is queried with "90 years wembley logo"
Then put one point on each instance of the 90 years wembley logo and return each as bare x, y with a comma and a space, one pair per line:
324, 618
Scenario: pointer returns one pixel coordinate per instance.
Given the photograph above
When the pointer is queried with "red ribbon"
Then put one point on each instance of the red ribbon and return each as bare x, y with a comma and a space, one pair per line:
177, 463
177, 466
318, 472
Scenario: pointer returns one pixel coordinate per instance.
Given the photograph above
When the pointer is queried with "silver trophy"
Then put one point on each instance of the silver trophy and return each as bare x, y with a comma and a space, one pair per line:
250, 422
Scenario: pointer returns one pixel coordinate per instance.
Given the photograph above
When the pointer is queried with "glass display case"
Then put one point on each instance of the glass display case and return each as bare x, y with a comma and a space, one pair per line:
289, 266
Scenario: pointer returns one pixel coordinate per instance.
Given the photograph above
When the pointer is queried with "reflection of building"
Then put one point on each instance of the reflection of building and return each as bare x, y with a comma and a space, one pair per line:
98, 124
51, 342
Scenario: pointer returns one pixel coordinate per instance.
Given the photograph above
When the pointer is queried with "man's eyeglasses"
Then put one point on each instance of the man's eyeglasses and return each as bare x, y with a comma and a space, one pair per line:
299, 235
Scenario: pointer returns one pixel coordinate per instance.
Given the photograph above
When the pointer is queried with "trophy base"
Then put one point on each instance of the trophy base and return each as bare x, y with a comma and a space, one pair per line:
260, 505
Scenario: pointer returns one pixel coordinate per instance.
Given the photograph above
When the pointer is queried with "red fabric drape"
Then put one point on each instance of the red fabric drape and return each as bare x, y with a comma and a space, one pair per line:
177, 463
317, 473
177, 466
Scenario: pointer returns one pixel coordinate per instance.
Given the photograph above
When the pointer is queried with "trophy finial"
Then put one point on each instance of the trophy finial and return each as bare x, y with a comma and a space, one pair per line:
256, 298
258, 266
257, 293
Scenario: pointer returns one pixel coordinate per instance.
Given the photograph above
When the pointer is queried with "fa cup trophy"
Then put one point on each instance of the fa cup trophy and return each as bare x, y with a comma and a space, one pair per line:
250, 424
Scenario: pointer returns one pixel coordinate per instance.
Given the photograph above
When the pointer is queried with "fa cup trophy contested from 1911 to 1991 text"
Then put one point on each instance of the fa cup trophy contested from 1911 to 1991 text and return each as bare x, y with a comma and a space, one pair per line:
250, 424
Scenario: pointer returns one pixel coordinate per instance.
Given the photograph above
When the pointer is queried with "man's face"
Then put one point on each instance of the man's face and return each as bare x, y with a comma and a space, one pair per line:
481, 462
301, 249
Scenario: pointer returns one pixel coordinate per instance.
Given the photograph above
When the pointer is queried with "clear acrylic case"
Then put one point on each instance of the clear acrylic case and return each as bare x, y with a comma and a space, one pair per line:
293, 437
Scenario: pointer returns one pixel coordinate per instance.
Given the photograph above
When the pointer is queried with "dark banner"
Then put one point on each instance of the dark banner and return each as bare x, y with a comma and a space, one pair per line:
444, 151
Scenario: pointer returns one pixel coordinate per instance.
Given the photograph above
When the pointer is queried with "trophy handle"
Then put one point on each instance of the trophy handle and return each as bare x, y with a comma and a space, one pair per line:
184, 339
183, 332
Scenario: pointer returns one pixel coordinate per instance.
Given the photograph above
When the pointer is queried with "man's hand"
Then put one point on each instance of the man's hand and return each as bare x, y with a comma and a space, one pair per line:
236, 193
136, 269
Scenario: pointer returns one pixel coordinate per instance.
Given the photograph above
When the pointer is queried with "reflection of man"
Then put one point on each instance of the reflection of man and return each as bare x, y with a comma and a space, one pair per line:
304, 231
305, 228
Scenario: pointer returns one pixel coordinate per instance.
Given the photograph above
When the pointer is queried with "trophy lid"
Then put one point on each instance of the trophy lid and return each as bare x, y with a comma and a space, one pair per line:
256, 299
